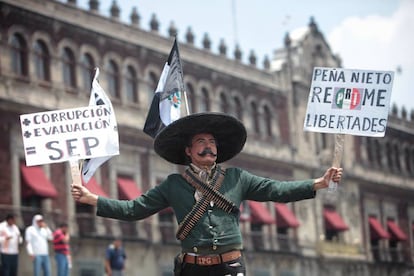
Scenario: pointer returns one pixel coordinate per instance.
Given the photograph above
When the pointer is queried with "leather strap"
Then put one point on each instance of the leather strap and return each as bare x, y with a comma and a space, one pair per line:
191, 219
206, 260
210, 192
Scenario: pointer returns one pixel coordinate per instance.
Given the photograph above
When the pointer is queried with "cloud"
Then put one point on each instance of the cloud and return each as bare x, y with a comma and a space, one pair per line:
380, 43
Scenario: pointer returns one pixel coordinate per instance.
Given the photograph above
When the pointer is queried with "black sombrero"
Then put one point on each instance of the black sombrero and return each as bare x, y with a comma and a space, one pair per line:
229, 132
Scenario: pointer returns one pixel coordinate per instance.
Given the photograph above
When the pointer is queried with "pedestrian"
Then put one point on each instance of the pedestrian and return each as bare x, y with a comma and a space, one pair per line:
115, 259
37, 236
10, 238
206, 196
61, 247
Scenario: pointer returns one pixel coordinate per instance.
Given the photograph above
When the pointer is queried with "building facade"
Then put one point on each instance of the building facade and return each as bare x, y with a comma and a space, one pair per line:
48, 51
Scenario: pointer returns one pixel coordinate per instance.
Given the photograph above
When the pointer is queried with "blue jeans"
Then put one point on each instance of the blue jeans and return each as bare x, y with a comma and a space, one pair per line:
62, 264
41, 262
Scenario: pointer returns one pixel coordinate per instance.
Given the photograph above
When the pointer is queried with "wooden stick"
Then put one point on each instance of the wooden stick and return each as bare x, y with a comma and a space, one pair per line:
186, 103
337, 157
75, 171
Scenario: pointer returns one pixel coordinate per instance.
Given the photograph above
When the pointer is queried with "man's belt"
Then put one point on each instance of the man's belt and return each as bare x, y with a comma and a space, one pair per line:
206, 260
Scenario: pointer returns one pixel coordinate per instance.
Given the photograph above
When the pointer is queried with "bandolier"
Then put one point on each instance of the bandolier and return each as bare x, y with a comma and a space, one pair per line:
210, 196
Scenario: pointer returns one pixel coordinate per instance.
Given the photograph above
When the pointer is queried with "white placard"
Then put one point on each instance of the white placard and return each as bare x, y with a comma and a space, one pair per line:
349, 101
56, 136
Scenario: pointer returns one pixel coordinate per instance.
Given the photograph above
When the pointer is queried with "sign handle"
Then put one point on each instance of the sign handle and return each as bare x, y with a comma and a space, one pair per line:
75, 170
337, 157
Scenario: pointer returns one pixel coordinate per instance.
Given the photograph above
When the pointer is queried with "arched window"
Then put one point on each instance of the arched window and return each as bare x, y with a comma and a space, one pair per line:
396, 151
255, 117
369, 150
204, 101
152, 85
68, 68
19, 55
407, 160
268, 121
378, 152
389, 155
88, 67
113, 79
42, 61
191, 98
238, 108
131, 85
224, 104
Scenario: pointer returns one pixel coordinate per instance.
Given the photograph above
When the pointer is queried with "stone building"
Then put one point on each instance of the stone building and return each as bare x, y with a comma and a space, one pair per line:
48, 50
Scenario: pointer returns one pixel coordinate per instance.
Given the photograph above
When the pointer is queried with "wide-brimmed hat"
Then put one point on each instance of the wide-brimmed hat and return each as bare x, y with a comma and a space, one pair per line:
230, 135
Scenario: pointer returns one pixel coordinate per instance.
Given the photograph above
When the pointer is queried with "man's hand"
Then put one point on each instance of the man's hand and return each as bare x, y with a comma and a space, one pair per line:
81, 194
334, 174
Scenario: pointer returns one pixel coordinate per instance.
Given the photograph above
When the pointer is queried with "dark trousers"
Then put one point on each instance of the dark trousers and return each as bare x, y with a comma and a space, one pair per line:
9, 262
233, 268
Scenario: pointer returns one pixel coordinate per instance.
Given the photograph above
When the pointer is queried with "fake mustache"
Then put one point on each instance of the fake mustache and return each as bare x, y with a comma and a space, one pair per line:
207, 151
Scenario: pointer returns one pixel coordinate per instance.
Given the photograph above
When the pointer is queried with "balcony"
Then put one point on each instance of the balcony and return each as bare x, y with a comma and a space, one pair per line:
338, 249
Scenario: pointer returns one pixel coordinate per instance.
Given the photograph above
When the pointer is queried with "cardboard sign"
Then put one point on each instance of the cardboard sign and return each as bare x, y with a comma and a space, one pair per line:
57, 136
349, 101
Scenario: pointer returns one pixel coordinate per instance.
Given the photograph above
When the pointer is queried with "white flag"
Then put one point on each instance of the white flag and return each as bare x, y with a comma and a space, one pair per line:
98, 97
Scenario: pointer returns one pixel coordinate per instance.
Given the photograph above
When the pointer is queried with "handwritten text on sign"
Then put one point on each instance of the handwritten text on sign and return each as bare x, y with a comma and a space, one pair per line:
349, 101
55, 136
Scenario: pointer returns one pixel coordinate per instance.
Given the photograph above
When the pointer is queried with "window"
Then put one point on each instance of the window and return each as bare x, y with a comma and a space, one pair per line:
285, 219
35, 187
152, 85
396, 150
128, 190
389, 155
397, 235
224, 104
407, 160
19, 55
88, 67
369, 149
42, 61
166, 223
131, 85
260, 216
68, 68
378, 152
205, 100
85, 214
255, 116
85, 218
113, 79
238, 108
268, 121
377, 233
191, 99
257, 236
334, 224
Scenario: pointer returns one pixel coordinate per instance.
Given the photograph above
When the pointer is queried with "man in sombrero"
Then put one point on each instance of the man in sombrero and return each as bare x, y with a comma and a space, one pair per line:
206, 197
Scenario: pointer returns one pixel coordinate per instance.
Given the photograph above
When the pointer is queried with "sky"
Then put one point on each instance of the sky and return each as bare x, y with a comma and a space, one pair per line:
366, 34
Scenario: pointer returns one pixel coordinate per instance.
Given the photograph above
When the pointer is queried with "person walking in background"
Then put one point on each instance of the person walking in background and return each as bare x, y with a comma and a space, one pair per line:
37, 236
10, 238
61, 239
115, 259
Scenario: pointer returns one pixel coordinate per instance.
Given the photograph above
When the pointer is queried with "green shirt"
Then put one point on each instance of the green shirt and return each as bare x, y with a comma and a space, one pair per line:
215, 227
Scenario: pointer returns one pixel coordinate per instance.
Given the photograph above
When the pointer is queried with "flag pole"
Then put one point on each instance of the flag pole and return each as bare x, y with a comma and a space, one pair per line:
337, 157
186, 103
75, 170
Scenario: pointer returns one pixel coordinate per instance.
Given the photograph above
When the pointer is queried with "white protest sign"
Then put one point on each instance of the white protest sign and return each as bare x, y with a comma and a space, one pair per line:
349, 101
57, 136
